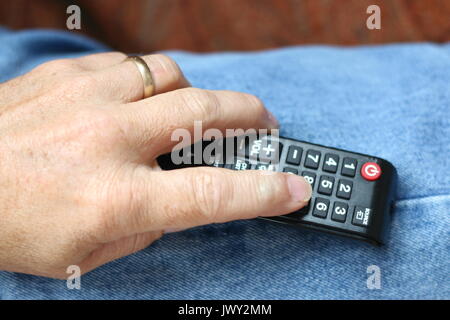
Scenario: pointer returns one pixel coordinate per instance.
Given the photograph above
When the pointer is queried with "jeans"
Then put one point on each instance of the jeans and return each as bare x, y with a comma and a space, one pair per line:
392, 101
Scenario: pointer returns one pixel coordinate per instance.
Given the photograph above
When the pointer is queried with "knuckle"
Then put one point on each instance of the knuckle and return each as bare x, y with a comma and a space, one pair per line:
73, 87
255, 105
96, 126
204, 104
117, 55
210, 193
171, 67
57, 66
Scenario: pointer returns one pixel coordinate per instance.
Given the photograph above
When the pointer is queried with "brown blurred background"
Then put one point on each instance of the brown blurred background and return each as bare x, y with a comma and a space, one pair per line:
213, 25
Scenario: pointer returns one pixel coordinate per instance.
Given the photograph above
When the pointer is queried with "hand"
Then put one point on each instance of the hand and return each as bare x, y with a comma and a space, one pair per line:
79, 184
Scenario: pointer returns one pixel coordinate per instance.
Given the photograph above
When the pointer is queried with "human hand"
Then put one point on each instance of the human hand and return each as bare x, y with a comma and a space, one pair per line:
79, 183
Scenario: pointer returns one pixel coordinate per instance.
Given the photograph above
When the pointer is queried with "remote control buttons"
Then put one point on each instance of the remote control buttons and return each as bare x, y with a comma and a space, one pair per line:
321, 208
266, 167
312, 159
242, 145
361, 216
340, 210
294, 155
344, 189
290, 170
262, 149
349, 167
326, 184
370, 171
241, 165
310, 177
330, 163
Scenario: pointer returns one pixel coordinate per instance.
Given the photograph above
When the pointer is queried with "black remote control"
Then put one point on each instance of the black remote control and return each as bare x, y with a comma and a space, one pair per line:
352, 193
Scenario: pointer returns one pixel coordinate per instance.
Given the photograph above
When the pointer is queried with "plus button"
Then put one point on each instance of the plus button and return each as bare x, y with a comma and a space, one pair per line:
268, 150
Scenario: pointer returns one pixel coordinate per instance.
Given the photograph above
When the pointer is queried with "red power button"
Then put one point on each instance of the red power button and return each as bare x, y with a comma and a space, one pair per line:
371, 171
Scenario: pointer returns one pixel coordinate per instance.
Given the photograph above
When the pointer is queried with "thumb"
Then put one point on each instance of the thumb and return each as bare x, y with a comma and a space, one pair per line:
196, 196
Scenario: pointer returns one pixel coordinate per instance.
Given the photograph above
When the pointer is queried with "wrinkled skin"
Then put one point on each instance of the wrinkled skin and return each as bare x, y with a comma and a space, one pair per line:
79, 184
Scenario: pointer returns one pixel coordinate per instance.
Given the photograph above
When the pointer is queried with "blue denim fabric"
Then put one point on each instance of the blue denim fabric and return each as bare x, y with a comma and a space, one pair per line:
391, 101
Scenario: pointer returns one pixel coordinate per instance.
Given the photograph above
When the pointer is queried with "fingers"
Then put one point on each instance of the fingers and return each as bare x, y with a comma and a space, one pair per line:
191, 197
125, 84
150, 123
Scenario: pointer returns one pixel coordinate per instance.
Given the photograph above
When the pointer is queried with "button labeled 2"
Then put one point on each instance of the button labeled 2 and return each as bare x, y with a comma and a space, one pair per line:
344, 189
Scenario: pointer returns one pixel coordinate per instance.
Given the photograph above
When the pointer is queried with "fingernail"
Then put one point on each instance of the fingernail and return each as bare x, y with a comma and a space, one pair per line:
272, 120
299, 188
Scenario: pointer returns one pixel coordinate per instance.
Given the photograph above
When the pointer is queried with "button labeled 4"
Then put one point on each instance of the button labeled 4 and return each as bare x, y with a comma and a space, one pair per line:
330, 163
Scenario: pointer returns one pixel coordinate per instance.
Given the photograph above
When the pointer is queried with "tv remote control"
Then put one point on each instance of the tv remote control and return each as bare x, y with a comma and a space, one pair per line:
352, 195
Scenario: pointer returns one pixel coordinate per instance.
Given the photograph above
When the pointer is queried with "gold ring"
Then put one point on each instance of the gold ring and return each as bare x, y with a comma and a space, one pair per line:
146, 74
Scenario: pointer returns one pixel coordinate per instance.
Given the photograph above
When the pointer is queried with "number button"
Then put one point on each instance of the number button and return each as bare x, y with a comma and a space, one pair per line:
344, 189
310, 177
312, 159
340, 210
290, 170
294, 155
326, 185
349, 167
321, 208
330, 163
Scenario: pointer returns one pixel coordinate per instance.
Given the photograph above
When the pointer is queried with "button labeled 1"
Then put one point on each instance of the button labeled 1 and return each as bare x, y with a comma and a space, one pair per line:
349, 167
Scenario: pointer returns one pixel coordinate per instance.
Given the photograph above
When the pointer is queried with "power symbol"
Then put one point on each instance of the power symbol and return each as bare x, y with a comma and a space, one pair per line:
371, 171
